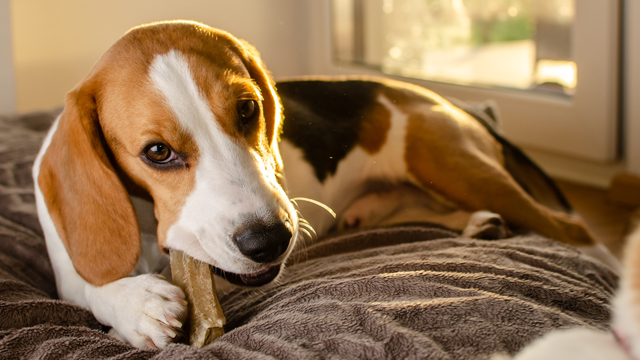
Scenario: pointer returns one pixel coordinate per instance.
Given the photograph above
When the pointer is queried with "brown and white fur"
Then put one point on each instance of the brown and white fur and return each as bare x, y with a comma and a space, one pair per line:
111, 210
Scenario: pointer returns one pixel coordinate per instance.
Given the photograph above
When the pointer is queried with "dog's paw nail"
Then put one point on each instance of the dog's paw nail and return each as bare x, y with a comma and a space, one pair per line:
159, 276
173, 321
149, 344
352, 222
495, 221
170, 333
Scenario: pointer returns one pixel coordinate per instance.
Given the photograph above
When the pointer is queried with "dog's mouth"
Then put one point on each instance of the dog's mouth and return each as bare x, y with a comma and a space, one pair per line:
259, 278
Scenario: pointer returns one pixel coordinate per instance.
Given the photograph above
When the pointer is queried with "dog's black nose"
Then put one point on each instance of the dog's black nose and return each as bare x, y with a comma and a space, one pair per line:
262, 242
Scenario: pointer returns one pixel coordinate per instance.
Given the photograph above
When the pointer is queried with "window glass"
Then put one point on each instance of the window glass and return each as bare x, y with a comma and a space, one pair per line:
521, 44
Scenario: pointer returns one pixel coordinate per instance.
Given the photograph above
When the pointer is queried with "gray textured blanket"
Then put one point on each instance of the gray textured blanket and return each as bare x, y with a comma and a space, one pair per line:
410, 292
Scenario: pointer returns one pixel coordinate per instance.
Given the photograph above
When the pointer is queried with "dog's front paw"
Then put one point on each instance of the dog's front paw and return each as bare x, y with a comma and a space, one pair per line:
145, 310
487, 226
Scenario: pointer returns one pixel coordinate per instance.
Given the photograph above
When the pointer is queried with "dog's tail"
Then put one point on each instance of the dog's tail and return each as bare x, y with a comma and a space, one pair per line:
527, 173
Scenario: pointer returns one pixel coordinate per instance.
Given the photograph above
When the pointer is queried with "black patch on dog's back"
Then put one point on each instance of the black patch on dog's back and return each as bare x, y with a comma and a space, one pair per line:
324, 118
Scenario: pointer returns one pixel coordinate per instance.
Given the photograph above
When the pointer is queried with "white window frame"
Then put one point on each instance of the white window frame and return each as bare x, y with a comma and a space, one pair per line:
584, 126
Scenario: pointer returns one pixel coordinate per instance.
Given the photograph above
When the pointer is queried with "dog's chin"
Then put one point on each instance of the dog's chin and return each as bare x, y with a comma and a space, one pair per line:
256, 279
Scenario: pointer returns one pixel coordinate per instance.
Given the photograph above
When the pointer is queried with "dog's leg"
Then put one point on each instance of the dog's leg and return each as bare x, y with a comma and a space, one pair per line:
500, 194
472, 176
145, 310
400, 204
405, 204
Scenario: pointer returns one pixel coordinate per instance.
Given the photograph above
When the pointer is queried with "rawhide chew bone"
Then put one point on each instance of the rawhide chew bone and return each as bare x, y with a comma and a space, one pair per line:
194, 277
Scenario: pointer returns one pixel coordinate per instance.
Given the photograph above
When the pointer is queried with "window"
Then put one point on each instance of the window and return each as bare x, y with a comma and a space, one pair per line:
552, 65
520, 44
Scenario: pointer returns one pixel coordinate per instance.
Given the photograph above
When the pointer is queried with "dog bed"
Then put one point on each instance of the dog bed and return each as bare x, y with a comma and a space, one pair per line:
407, 292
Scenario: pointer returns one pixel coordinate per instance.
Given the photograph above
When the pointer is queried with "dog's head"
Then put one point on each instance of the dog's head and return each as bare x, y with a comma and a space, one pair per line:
189, 116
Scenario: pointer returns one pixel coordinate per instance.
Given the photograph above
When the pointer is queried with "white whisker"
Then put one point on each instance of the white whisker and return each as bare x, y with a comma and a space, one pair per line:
315, 202
308, 227
306, 232
305, 225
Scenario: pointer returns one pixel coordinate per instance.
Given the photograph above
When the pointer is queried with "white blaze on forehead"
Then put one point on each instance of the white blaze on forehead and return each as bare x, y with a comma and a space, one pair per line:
231, 183
171, 75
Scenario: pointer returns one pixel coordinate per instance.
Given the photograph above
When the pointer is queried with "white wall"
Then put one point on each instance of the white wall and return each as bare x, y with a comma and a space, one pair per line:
57, 41
632, 87
7, 79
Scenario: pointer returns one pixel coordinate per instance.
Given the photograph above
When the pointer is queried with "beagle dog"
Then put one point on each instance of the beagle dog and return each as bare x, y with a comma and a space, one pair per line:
175, 140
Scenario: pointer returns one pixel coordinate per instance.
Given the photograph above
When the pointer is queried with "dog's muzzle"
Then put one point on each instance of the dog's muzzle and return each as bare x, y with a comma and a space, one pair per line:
263, 243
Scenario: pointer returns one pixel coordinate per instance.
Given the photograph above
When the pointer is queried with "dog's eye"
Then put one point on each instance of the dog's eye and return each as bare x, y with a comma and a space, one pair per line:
159, 153
247, 110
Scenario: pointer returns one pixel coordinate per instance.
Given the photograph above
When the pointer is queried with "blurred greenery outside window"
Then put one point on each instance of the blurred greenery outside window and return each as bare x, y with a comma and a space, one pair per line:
518, 44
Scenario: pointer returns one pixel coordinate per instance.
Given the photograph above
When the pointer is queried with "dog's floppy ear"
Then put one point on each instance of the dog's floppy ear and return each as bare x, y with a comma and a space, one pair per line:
271, 104
88, 204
